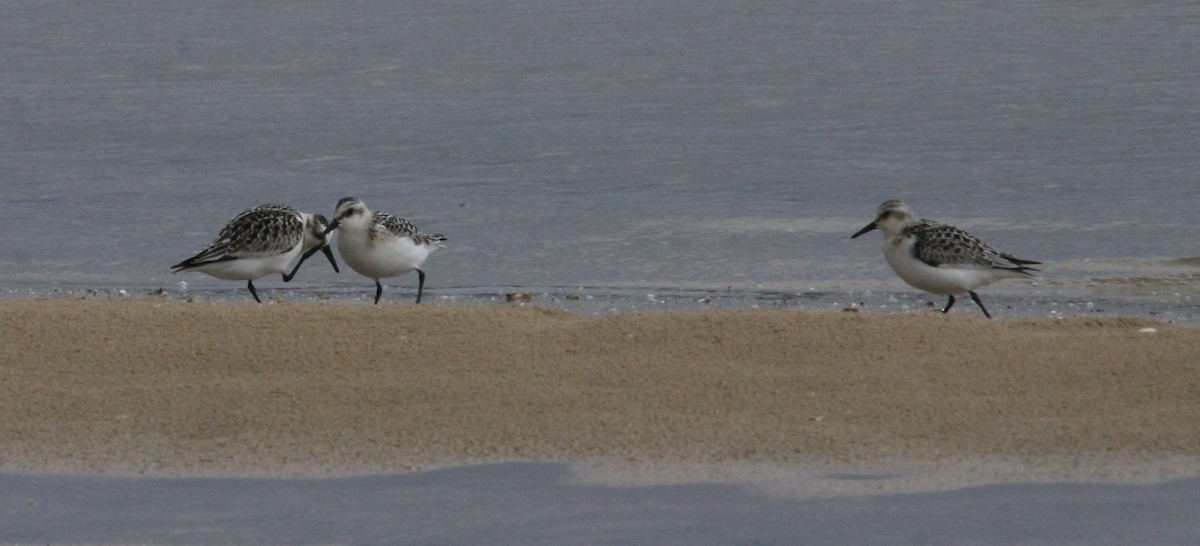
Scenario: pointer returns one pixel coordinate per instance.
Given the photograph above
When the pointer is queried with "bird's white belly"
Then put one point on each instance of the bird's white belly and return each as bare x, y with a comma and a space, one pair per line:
248, 269
943, 281
384, 257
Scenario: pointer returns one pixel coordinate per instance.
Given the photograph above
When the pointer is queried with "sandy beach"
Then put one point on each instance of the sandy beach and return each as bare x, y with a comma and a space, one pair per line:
165, 387
159, 421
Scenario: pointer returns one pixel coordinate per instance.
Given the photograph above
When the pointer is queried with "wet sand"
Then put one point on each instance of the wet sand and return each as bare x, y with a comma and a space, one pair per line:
165, 387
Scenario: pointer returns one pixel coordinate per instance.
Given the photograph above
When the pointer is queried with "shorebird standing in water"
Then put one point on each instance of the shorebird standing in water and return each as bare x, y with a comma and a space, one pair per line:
261, 241
379, 245
941, 259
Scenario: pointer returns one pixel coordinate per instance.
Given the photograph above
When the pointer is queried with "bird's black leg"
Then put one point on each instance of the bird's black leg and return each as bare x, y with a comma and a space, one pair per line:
287, 277
949, 304
250, 285
420, 284
979, 302
378, 291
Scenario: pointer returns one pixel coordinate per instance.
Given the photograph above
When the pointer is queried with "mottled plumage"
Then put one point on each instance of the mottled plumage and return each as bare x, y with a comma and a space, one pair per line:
939, 258
379, 245
944, 245
385, 224
261, 241
265, 230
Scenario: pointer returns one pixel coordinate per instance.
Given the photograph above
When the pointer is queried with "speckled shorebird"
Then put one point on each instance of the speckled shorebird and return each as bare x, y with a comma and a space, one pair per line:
941, 259
378, 245
261, 241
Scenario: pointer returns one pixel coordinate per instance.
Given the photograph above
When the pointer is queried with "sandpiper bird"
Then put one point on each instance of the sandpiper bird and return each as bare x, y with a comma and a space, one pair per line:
378, 245
941, 259
261, 241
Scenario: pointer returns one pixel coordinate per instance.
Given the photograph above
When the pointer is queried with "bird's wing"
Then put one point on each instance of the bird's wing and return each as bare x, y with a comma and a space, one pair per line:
268, 230
941, 245
400, 227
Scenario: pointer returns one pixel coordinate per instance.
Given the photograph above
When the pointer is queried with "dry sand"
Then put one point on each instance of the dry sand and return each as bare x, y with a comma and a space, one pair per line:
234, 388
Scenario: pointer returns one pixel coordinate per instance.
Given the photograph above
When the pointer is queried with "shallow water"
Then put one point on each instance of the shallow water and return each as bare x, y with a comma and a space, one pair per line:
529, 503
636, 150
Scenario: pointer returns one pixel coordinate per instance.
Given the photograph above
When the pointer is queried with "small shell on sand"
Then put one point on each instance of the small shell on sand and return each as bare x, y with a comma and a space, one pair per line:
518, 296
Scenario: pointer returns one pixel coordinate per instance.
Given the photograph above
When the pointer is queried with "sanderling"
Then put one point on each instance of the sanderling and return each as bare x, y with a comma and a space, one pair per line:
379, 245
261, 241
941, 259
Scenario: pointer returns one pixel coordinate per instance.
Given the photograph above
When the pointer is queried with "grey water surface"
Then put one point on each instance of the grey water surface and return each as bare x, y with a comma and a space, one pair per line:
539, 503
613, 149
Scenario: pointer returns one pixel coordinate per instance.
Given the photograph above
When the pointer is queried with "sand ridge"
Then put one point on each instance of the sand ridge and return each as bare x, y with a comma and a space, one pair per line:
216, 388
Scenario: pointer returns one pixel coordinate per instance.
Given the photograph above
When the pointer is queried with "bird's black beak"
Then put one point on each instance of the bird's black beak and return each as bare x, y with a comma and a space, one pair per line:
332, 226
287, 277
329, 254
869, 227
